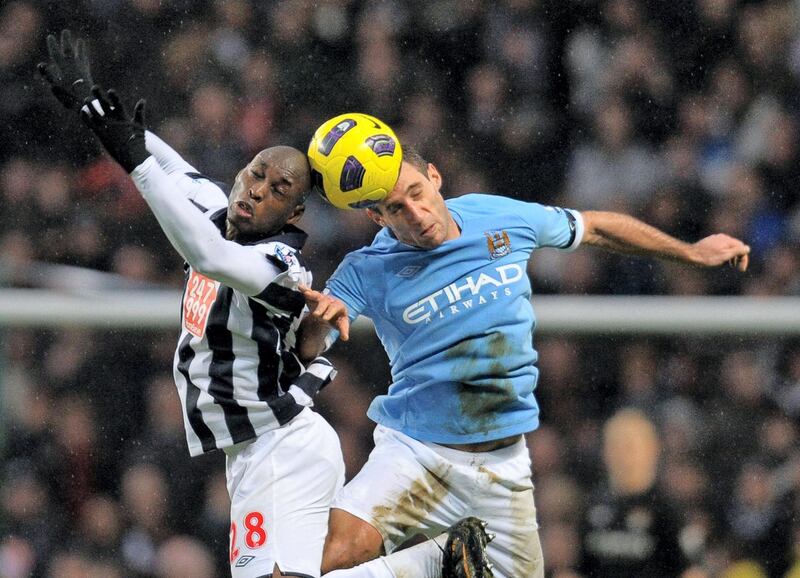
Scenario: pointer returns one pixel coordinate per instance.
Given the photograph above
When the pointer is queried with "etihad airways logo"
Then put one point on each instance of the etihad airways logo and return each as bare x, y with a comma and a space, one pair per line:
464, 294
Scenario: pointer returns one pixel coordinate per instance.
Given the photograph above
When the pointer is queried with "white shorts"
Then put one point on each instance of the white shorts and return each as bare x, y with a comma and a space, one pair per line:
281, 485
409, 487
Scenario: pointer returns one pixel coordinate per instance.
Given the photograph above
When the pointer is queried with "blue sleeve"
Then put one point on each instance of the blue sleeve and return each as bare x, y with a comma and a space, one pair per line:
548, 226
346, 284
554, 226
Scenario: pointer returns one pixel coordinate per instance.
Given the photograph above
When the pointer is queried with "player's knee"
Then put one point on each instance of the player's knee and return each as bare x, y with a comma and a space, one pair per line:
350, 542
342, 551
338, 555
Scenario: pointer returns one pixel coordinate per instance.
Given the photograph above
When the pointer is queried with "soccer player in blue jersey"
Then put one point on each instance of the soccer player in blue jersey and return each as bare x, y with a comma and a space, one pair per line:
445, 284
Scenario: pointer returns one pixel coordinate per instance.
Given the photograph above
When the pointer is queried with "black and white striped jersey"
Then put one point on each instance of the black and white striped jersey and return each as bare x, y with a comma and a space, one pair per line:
234, 369
233, 366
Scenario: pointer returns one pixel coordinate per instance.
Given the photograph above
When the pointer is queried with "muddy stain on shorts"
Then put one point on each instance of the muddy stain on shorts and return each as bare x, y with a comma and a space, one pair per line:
525, 545
523, 541
498, 479
404, 516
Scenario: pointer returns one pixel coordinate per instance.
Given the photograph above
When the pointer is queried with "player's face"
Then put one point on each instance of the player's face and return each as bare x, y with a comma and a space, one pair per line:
266, 193
415, 210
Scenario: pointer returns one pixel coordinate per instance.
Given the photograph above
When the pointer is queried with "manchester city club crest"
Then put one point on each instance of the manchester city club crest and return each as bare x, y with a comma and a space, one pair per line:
499, 244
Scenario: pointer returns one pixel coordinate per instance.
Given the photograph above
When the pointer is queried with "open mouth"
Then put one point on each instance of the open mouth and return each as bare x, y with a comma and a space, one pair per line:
243, 209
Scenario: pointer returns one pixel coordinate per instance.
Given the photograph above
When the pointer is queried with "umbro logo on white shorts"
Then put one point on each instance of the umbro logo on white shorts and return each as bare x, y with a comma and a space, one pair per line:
244, 561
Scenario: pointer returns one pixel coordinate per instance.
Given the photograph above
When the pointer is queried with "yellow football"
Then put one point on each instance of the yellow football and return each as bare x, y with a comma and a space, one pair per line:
355, 160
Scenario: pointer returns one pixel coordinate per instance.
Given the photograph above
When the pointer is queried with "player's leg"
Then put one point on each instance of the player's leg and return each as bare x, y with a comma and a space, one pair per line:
350, 541
281, 487
500, 491
516, 551
458, 553
393, 498
430, 486
421, 561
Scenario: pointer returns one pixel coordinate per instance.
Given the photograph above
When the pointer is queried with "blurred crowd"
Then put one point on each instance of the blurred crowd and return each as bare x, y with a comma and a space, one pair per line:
682, 113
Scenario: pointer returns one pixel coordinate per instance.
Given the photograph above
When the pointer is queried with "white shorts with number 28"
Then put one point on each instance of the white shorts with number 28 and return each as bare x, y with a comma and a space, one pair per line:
281, 486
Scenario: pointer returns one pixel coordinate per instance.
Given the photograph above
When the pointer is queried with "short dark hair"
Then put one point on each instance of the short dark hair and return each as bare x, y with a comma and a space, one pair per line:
411, 156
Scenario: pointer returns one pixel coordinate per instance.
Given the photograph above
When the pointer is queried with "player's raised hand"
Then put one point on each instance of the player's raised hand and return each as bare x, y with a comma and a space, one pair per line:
715, 250
121, 135
67, 70
328, 309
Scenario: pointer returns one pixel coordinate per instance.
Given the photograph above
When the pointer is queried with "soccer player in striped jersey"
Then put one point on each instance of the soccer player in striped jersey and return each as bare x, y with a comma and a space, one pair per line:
242, 388
446, 285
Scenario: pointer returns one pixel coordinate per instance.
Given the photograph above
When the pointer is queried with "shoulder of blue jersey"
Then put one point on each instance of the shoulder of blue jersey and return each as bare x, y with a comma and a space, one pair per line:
482, 202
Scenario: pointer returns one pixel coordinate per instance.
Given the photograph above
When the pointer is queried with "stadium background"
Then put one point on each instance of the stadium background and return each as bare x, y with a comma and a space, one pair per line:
684, 113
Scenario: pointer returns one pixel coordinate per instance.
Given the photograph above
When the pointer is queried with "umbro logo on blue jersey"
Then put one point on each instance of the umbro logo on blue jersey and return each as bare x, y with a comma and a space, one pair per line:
409, 271
499, 244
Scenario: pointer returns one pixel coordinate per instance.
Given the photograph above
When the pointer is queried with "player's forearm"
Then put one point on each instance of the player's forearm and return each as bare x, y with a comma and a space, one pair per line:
167, 157
312, 338
196, 238
625, 234
186, 228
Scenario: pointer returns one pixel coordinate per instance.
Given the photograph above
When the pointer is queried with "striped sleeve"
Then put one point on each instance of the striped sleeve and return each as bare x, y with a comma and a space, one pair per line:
311, 380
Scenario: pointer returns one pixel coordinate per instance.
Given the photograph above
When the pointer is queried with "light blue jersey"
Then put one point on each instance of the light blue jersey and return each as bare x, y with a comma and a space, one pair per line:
456, 321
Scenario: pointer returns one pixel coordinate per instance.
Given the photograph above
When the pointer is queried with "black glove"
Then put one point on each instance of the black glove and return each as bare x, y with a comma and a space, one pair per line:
121, 135
67, 72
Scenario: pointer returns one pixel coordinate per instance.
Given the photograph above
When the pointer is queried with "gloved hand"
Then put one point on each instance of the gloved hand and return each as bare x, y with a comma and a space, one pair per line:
67, 71
121, 135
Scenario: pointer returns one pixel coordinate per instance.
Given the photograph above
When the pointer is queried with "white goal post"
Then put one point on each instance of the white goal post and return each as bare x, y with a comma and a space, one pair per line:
159, 309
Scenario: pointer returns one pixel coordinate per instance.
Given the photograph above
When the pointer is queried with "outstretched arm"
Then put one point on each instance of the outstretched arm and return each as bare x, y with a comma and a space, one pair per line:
167, 157
192, 234
204, 193
626, 234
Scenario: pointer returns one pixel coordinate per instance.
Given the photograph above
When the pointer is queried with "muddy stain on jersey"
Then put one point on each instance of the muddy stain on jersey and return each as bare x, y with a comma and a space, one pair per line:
404, 515
484, 389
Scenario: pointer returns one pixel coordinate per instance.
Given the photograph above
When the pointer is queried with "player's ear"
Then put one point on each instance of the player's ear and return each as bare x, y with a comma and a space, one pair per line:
375, 215
296, 214
435, 177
